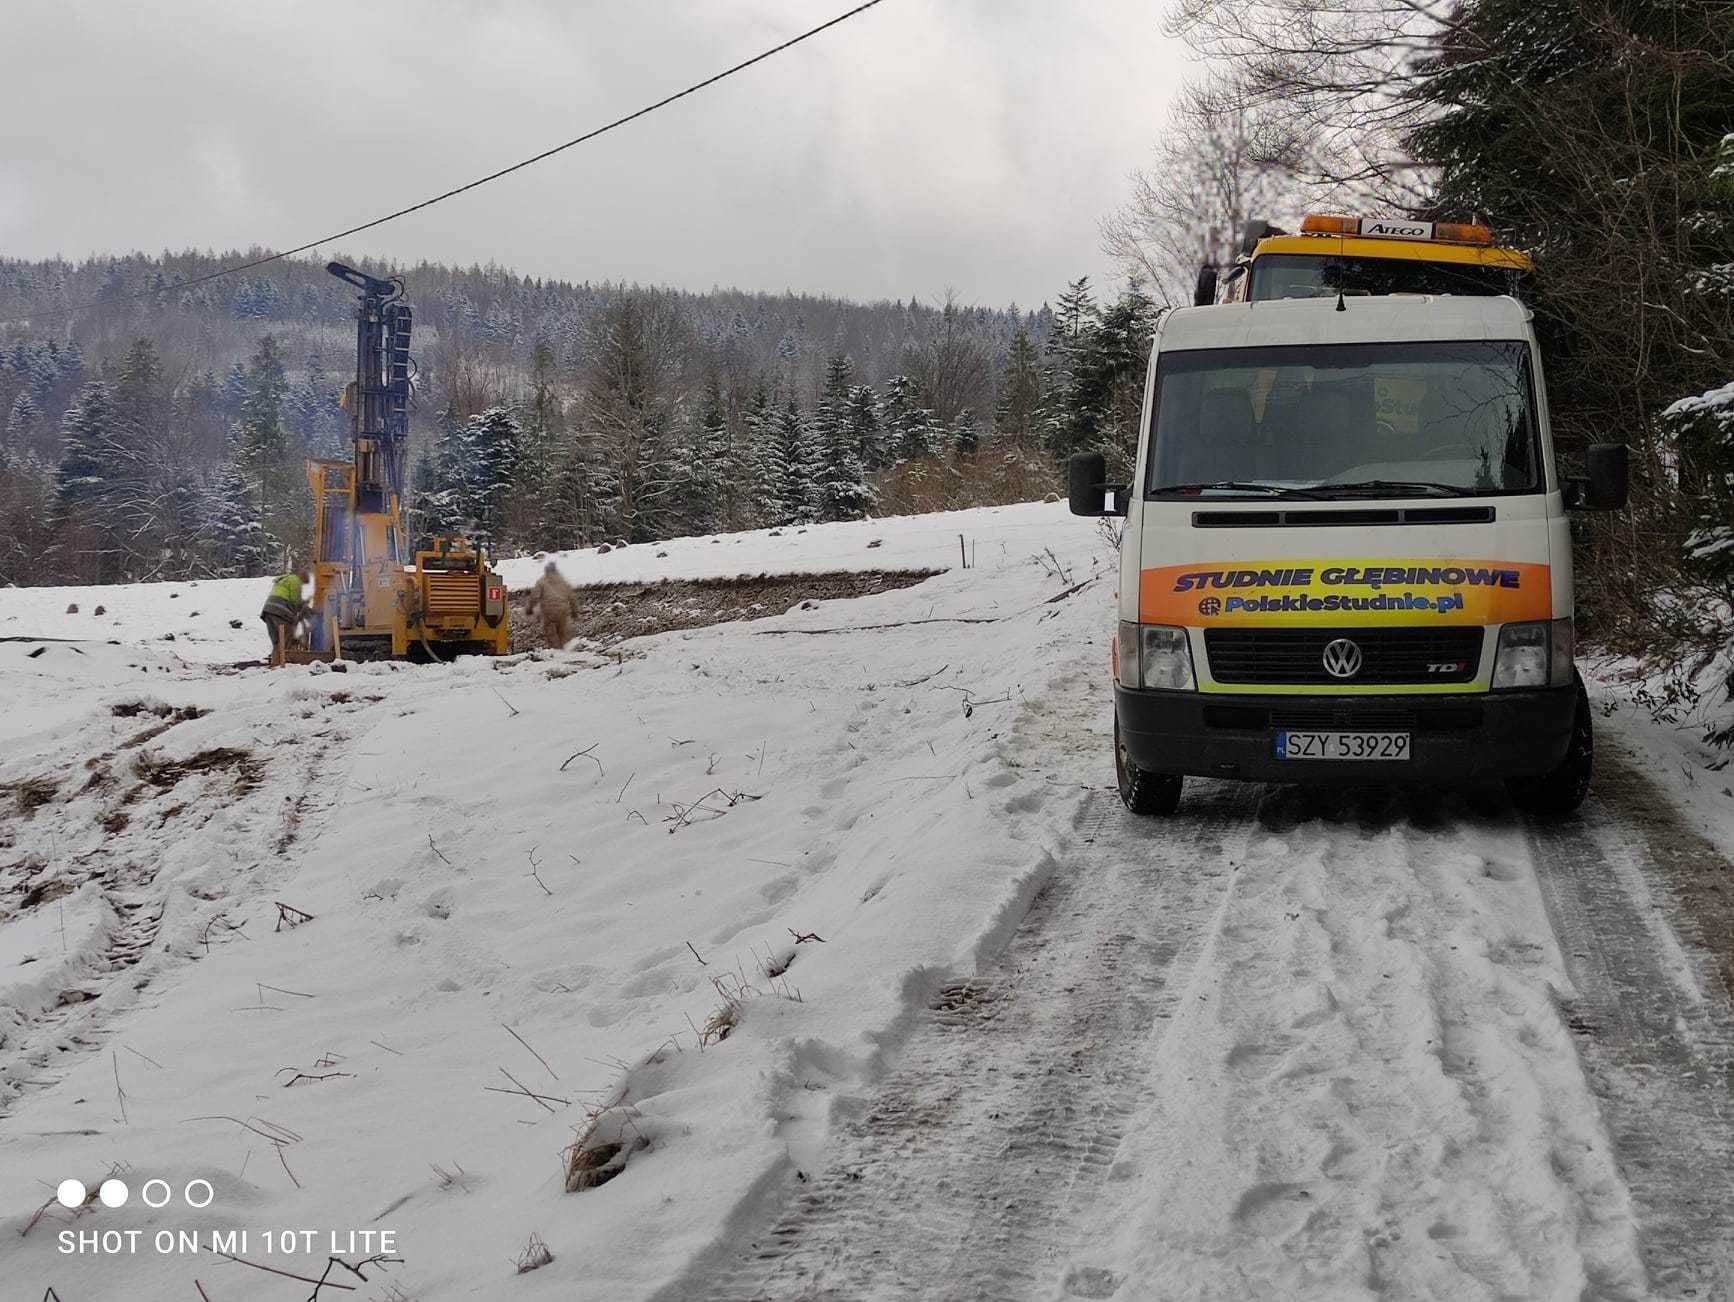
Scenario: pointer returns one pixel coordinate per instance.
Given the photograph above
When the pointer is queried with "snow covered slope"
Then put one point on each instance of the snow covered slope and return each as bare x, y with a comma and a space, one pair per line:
835, 915
598, 855
192, 619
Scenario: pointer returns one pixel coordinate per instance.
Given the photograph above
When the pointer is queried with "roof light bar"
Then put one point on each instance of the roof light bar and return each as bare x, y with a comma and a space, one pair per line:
1462, 233
1396, 228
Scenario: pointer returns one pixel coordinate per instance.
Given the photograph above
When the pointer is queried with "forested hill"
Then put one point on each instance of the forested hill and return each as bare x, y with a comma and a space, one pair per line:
159, 431
488, 310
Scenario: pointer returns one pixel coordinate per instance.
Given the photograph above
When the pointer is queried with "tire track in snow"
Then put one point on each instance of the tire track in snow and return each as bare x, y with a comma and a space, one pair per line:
969, 1171
1442, 1123
1372, 1095
1659, 1051
139, 892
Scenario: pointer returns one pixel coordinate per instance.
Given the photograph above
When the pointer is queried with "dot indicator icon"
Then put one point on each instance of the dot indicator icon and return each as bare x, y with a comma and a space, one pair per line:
71, 1193
113, 1193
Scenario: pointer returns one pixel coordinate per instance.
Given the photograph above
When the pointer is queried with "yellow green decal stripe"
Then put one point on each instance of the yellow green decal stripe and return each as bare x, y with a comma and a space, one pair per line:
1344, 592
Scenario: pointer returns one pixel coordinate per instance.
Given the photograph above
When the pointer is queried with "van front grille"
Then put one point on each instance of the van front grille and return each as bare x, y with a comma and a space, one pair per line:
1296, 656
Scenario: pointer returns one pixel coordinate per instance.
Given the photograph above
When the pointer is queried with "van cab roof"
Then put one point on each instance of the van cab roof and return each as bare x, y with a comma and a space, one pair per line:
1382, 318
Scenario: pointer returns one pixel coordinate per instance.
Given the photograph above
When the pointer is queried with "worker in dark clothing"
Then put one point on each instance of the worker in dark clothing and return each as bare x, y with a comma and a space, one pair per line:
285, 608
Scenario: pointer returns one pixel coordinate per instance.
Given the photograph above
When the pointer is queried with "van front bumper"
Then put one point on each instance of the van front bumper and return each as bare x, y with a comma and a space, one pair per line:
1456, 741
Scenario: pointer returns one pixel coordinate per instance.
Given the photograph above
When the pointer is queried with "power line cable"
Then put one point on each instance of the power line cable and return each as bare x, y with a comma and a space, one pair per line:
479, 181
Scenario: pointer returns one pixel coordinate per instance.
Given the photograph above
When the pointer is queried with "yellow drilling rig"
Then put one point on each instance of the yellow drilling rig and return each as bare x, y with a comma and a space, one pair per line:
372, 599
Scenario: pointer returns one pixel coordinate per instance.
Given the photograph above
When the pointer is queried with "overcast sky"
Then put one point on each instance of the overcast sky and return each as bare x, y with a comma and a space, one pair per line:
923, 145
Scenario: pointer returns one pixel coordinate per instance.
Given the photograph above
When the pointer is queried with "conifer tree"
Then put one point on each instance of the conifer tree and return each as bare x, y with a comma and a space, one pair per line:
27, 551
541, 422
445, 500
139, 400
1065, 423
235, 387
493, 441
865, 431
1018, 410
23, 420
85, 433
764, 498
71, 365
838, 487
573, 512
1073, 311
791, 489
964, 435
83, 521
739, 468
1107, 379
233, 531
908, 426
262, 447
532, 499
707, 487
314, 415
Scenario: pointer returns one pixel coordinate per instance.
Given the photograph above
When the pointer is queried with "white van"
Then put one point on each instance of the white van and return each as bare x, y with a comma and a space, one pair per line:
1347, 554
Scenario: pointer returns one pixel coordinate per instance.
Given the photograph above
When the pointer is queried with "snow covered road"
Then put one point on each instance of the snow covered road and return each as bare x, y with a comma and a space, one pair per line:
890, 998
1290, 1046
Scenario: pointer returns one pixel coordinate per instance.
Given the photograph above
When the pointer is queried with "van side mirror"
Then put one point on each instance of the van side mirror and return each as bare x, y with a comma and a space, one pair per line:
1204, 293
1085, 490
1604, 487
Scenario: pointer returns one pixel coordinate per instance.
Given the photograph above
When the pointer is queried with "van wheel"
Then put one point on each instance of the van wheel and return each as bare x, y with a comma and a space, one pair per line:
1560, 792
1144, 793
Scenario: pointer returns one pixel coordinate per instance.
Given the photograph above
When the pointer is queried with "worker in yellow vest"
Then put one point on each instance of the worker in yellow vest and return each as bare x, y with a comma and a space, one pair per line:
285, 608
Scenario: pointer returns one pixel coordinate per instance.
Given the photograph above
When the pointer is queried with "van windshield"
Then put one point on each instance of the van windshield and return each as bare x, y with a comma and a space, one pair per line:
1342, 420
1312, 275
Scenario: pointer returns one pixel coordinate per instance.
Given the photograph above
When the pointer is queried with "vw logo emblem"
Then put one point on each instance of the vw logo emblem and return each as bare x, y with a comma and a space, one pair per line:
1342, 658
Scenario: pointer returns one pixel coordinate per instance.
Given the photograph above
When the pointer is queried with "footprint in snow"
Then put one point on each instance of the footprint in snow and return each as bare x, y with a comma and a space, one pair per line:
1501, 872
779, 889
657, 957
1337, 1159
1254, 1060
1092, 1281
1320, 1014
1274, 1208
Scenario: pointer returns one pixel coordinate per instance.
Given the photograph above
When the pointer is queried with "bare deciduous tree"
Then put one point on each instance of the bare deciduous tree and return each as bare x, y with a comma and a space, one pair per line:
954, 370
1215, 169
1333, 84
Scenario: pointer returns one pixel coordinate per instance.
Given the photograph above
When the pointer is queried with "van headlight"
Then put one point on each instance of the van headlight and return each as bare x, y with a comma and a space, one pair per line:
1537, 654
1155, 656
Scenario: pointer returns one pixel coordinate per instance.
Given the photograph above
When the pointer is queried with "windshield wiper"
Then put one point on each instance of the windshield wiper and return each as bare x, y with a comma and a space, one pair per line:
1392, 488
1238, 486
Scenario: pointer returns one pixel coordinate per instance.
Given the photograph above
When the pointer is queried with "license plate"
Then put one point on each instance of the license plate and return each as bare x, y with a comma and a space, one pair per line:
1342, 745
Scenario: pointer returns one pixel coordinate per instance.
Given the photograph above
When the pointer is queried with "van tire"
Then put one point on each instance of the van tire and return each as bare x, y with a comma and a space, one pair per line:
1144, 793
1556, 794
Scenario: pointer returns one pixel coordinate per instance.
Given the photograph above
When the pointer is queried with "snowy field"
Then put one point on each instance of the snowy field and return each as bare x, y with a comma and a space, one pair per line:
194, 620
833, 919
